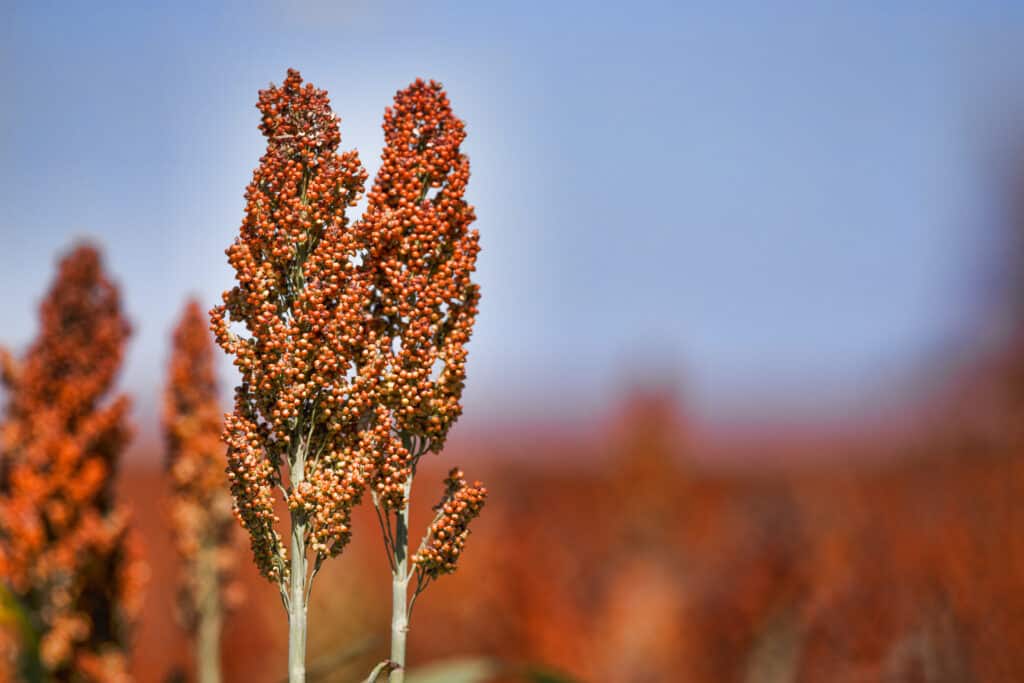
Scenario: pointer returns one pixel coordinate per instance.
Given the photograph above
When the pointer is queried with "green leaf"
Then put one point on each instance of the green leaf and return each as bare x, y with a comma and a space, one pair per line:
14, 614
536, 674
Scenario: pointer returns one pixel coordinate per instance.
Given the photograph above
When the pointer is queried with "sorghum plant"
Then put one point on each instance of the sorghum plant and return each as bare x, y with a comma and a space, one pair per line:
66, 553
354, 361
295, 425
420, 254
201, 518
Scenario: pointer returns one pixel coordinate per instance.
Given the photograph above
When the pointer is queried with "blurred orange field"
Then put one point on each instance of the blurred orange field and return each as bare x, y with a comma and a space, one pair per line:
618, 558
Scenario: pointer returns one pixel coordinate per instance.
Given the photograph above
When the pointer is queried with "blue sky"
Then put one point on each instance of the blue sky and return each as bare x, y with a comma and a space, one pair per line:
780, 209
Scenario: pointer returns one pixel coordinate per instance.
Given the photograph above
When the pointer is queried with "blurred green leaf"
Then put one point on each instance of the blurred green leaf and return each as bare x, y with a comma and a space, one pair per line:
470, 670
536, 674
13, 613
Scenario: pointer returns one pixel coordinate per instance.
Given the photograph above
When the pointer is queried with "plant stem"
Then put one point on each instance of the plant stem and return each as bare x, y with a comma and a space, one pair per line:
209, 614
297, 580
297, 604
399, 589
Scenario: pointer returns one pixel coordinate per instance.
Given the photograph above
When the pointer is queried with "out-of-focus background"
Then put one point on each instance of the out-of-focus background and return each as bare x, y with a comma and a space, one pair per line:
747, 386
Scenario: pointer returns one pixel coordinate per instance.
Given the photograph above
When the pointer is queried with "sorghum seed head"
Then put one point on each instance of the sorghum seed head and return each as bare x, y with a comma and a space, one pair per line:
201, 518
446, 538
303, 309
66, 549
420, 256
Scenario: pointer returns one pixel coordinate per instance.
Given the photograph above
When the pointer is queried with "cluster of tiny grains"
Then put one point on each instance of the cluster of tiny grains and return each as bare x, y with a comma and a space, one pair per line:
420, 257
62, 535
303, 307
201, 517
447, 535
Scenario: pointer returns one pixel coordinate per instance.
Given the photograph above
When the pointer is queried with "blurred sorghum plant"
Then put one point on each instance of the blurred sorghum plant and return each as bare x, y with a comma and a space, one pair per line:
201, 517
354, 359
67, 555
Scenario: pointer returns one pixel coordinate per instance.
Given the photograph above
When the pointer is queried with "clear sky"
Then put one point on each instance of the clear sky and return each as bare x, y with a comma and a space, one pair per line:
778, 207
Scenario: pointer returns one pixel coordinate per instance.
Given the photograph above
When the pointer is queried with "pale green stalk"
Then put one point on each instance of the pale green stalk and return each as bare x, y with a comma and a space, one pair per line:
209, 614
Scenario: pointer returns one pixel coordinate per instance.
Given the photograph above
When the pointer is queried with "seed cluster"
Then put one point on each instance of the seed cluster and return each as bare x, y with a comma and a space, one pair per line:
447, 535
421, 255
354, 359
304, 312
62, 534
201, 518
